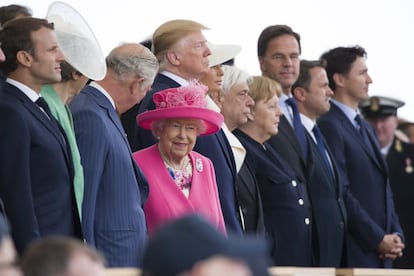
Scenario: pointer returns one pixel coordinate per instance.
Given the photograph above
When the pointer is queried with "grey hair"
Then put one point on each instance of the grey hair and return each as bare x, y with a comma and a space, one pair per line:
232, 76
134, 64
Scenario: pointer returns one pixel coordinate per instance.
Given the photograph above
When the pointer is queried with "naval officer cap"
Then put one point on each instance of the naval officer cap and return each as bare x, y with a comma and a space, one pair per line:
379, 106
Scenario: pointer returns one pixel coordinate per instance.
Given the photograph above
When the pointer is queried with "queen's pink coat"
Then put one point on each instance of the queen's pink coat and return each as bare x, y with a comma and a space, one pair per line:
166, 201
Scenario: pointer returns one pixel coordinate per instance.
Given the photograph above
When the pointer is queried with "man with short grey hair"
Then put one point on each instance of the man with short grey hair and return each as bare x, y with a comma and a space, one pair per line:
115, 189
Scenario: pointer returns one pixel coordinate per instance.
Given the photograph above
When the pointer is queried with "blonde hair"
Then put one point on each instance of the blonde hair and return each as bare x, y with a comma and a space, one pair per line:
169, 33
264, 88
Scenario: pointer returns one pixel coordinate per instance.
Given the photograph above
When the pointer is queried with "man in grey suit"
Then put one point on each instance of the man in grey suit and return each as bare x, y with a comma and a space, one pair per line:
115, 189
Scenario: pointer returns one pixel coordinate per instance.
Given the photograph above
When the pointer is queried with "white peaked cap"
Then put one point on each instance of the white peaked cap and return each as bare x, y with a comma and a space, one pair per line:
77, 40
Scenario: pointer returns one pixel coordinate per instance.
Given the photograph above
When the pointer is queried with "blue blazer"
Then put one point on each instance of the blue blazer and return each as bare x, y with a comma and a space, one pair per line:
366, 188
328, 209
286, 145
285, 212
115, 189
215, 146
36, 172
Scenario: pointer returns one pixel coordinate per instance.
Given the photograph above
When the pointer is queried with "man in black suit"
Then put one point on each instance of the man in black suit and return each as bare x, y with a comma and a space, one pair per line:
312, 94
381, 112
36, 169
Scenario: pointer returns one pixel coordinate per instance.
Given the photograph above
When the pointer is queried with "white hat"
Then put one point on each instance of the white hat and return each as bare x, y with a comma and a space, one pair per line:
221, 53
77, 40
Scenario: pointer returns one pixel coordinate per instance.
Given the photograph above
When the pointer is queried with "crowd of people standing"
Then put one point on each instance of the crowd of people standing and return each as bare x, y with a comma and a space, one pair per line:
111, 150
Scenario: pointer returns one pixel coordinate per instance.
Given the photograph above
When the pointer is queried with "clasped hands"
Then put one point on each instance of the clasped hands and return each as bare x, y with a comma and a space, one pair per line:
391, 247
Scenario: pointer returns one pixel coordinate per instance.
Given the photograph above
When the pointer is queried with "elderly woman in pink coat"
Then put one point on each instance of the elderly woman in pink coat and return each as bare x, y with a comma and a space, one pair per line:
181, 181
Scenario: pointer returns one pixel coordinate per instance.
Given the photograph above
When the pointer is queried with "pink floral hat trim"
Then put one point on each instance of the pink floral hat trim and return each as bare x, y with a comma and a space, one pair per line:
187, 102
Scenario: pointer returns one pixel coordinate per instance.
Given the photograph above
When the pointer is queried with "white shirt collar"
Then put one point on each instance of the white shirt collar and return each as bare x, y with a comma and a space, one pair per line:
350, 113
33, 95
308, 124
178, 79
386, 149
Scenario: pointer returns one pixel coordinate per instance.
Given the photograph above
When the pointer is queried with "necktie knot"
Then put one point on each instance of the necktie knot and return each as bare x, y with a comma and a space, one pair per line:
358, 120
43, 104
292, 103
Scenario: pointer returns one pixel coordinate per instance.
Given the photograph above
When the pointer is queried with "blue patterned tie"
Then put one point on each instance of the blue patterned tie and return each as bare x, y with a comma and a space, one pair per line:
297, 125
364, 133
322, 148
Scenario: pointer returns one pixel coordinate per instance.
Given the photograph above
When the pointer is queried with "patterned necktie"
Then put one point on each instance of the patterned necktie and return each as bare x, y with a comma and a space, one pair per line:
298, 127
364, 132
321, 146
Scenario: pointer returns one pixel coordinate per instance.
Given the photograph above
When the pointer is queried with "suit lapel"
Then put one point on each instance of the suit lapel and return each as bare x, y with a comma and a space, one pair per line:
373, 138
286, 130
40, 116
227, 151
37, 113
105, 104
351, 129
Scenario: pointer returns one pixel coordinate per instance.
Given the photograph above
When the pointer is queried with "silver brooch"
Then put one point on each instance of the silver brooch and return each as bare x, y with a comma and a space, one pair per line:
199, 165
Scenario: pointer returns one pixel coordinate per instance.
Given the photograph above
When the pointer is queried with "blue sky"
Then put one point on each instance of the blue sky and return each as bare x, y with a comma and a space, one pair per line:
384, 30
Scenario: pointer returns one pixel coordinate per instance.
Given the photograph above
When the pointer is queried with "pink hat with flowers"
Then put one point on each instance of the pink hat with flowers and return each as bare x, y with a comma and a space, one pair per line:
185, 102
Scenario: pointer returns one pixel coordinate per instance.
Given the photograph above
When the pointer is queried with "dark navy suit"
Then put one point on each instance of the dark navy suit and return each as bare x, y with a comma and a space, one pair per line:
286, 144
115, 189
36, 172
366, 189
286, 217
215, 146
328, 209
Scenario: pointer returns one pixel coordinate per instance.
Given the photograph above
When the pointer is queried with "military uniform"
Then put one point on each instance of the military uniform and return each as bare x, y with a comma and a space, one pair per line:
400, 160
